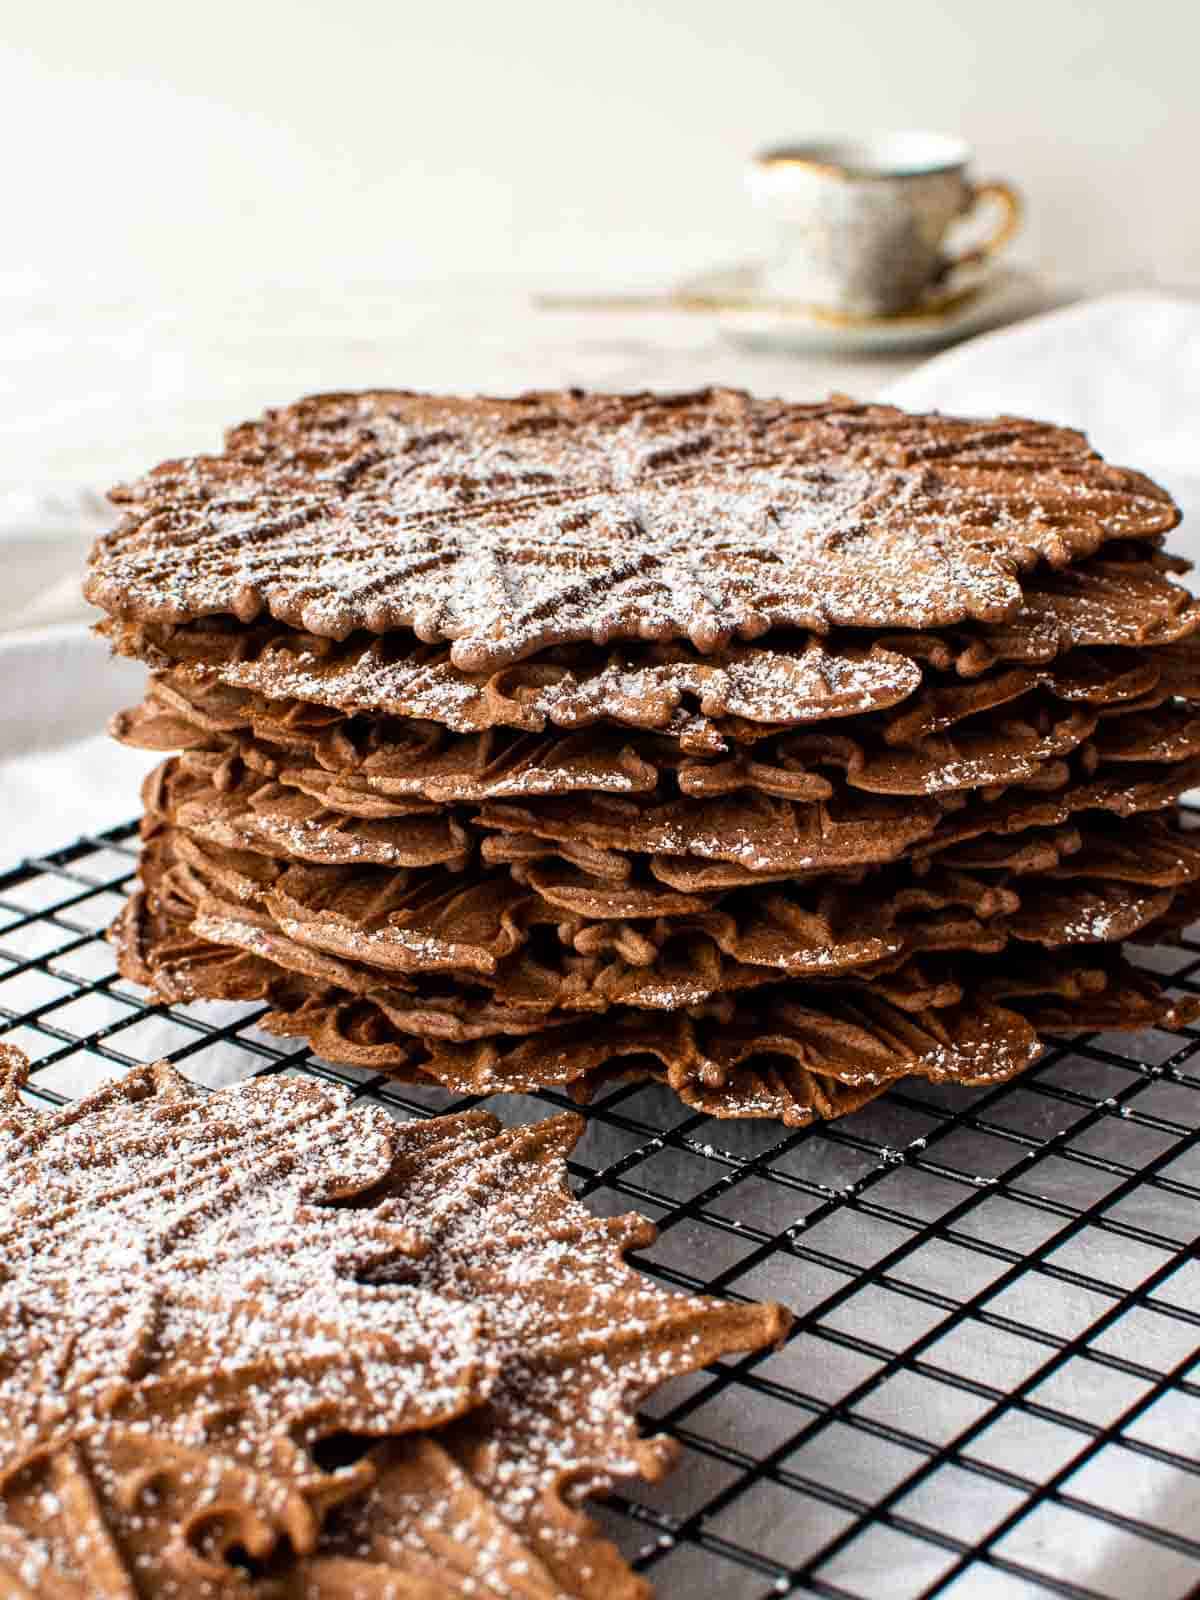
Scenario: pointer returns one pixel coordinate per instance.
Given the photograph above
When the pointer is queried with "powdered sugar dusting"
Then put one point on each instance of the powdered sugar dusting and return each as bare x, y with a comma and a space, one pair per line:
507, 527
158, 1415
176, 1291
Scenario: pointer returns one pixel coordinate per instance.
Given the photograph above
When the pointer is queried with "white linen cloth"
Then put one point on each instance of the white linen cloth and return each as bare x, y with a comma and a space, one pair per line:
1125, 369
1128, 370
60, 773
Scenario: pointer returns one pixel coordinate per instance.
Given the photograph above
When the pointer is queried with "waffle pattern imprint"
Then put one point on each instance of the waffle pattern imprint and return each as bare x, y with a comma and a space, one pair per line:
271, 1345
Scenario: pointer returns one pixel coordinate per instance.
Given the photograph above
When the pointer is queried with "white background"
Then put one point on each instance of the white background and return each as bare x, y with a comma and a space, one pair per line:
307, 140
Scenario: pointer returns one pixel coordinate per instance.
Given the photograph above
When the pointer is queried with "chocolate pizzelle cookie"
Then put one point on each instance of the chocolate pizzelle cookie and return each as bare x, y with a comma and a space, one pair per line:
270, 1345
772, 751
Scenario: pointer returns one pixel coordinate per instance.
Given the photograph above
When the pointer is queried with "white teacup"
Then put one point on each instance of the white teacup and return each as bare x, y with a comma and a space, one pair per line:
862, 223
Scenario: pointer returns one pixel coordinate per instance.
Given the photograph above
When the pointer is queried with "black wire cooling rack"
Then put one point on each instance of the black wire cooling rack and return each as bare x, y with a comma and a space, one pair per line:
993, 1385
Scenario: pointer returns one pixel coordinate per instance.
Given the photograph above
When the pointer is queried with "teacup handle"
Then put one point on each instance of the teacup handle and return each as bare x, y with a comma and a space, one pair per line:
1009, 223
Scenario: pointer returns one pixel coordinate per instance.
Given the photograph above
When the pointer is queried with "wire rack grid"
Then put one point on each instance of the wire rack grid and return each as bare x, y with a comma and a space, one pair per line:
992, 1389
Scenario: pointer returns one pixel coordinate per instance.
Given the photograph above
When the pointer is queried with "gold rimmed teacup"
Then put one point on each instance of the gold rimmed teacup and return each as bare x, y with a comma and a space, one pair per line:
862, 224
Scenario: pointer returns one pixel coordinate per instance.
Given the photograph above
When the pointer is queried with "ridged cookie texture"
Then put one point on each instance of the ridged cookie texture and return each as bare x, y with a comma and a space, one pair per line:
270, 1343
506, 526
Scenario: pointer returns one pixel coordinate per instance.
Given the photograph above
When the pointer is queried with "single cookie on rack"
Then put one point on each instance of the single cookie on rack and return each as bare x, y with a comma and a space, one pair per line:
270, 1342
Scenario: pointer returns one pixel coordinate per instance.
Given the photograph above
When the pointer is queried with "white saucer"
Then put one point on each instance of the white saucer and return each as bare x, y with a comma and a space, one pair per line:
751, 318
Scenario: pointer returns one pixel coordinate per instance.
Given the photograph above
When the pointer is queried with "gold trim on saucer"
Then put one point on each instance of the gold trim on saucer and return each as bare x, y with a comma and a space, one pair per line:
689, 297
935, 309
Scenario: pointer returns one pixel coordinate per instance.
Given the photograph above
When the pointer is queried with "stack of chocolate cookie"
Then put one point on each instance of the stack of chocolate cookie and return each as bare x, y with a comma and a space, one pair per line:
774, 751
